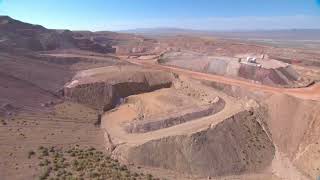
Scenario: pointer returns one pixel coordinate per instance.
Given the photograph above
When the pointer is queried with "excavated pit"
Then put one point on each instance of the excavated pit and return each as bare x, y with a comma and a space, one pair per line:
103, 88
264, 71
193, 134
164, 122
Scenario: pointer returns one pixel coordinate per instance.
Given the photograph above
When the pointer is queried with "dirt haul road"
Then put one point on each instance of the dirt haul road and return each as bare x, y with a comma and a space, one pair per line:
308, 93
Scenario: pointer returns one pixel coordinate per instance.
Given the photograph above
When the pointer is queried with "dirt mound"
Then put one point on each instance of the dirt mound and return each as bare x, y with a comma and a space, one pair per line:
105, 87
206, 153
294, 126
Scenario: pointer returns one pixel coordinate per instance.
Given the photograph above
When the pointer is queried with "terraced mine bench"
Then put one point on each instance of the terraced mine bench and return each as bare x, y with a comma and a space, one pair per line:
175, 118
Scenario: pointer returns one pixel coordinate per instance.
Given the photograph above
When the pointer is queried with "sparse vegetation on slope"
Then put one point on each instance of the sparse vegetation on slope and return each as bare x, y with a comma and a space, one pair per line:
77, 163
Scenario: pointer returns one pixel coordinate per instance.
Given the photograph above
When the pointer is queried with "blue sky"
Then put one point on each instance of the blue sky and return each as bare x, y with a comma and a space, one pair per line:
191, 14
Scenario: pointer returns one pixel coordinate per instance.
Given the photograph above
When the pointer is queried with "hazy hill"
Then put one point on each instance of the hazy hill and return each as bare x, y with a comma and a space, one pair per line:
286, 34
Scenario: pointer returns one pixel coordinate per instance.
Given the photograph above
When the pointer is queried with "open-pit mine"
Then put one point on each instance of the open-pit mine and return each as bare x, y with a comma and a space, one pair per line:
104, 105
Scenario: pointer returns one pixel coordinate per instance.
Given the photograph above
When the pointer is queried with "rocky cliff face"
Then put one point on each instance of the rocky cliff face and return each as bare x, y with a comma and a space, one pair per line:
237, 145
103, 88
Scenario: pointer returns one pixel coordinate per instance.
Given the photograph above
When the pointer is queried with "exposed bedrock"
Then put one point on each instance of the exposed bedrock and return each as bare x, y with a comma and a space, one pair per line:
236, 145
175, 118
103, 88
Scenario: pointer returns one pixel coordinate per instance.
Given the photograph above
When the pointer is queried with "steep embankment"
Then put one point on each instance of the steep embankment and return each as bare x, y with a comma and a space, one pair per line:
206, 153
103, 88
295, 128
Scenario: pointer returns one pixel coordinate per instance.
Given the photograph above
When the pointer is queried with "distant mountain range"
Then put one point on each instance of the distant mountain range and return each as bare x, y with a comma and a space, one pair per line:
286, 34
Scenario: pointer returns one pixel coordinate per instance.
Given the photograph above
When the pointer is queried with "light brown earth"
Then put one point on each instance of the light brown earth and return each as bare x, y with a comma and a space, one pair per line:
103, 88
122, 142
63, 125
260, 132
129, 147
129, 112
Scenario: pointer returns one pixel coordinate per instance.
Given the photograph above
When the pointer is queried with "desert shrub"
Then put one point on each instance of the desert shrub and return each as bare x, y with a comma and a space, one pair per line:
149, 177
30, 154
135, 174
45, 174
52, 149
123, 168
44, 152
87, 164
94, 174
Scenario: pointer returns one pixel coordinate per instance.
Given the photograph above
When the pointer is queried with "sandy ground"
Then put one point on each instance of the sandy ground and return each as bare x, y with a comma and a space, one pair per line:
66, 125
112, 122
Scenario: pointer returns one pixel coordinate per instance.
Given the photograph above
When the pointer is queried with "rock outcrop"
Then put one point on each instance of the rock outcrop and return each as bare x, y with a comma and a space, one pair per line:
103, 88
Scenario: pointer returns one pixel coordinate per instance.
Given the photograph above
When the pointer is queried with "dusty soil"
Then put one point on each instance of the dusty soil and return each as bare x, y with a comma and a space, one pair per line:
124, 113
40, 77
129, 147
65, 125
121, 142
294, 126
132, 111
191, 125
